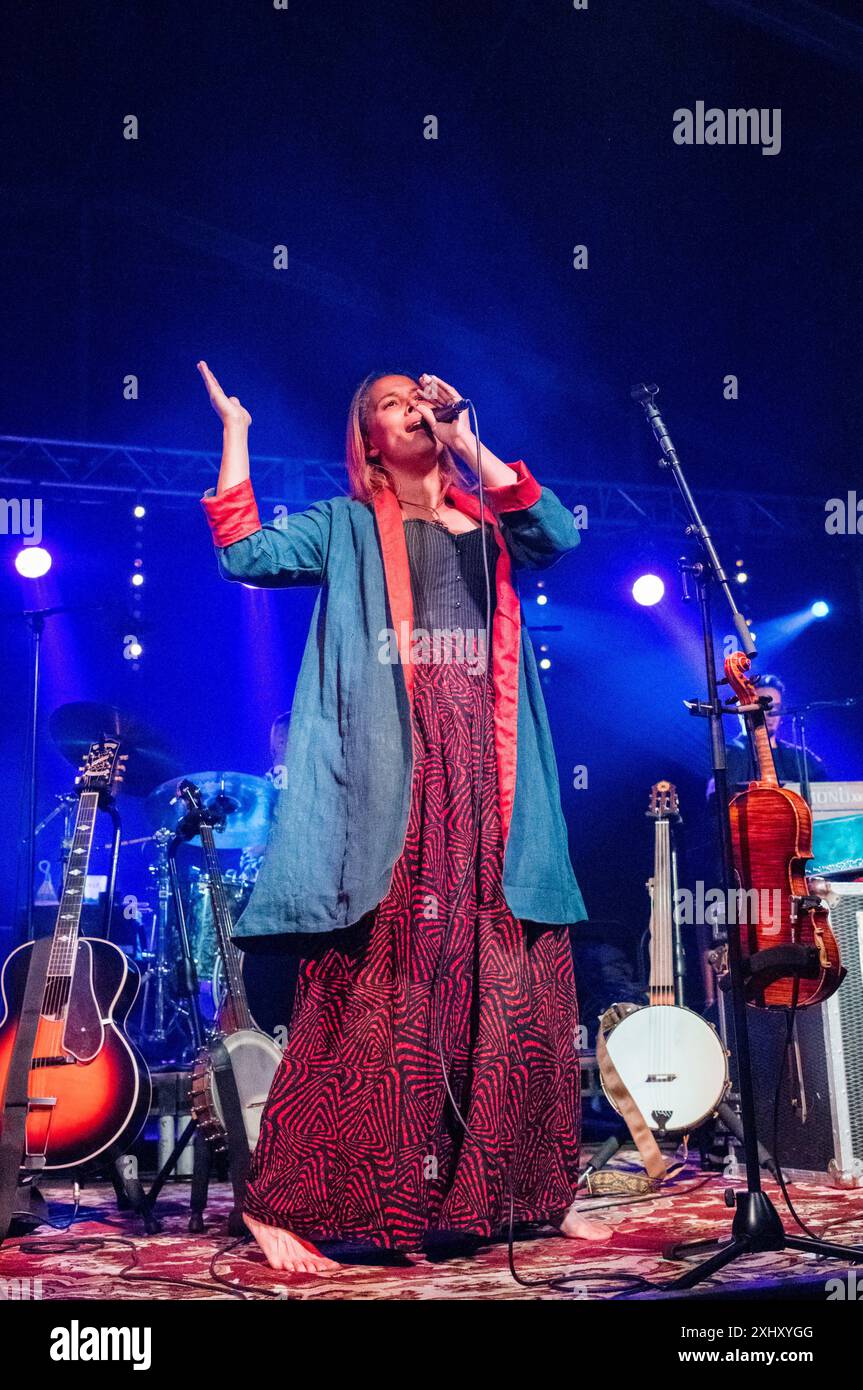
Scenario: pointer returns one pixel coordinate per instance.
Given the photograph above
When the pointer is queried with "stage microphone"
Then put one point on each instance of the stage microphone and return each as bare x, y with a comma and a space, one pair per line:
446, 413
600, 1158
443, 413
643, 393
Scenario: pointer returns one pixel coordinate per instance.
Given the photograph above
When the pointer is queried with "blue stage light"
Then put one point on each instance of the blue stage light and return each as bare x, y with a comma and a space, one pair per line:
820, 609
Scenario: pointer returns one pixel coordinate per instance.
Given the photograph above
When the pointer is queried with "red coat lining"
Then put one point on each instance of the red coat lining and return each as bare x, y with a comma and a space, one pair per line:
233, 516
506, 623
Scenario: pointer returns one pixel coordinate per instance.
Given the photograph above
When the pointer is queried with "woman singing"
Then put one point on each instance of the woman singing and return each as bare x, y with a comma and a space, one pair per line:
377, 840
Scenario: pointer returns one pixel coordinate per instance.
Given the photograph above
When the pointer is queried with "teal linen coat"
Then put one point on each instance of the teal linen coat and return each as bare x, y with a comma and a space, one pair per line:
342, 818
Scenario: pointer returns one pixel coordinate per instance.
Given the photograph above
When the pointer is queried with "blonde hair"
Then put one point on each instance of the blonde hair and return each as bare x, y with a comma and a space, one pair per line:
367, 476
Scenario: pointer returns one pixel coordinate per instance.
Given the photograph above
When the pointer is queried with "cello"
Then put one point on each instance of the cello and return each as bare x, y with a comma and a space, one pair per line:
790, 955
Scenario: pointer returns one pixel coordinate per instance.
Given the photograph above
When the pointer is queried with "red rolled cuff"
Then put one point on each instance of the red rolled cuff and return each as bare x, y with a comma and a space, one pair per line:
512, 497
233, 515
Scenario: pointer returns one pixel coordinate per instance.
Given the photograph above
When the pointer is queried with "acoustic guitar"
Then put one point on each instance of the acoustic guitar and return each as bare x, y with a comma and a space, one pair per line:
89, 1091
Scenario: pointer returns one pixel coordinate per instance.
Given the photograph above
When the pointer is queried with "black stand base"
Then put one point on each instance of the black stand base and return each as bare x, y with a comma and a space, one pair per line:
756, 1227
144, 1203
30, 1210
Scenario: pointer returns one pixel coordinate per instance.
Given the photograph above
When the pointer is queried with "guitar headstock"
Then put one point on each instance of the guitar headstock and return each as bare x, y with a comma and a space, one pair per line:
103, 768
663, 804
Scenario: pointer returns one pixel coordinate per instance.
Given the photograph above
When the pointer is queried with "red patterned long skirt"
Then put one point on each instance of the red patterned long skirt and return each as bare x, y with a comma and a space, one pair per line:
359, 1141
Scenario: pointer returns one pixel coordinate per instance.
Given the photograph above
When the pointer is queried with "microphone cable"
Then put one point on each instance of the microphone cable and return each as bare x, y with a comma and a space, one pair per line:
559, 1281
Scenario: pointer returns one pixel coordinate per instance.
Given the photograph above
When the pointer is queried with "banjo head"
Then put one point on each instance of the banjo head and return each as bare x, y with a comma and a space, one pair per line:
673, 1064
255, 1058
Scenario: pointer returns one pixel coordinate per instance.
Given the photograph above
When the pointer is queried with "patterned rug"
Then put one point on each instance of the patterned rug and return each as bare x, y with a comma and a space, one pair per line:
106, 1255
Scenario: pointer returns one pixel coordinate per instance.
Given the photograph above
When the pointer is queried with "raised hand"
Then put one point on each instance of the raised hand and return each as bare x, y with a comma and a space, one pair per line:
228, 408
458, 434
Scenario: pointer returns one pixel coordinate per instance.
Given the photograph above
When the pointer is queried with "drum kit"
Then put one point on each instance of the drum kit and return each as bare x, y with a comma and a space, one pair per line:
175, 903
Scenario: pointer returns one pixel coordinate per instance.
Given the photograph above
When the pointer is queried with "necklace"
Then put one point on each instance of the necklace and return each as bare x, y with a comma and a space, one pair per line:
422, 506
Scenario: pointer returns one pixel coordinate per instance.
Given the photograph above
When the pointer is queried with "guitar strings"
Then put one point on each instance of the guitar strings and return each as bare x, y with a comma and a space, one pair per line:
61, 956
220, 905
659, 1035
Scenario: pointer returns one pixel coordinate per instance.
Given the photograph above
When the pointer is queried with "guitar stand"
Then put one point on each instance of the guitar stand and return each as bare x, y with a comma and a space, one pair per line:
144, 1203
756, 1226
17, 1102
31, 1208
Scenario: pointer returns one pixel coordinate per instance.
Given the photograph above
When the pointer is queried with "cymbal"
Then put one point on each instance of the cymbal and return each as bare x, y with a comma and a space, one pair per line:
73, 727
249, 824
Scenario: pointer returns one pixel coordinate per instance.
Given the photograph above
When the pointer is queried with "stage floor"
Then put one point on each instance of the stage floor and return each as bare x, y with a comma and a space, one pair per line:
106, 1255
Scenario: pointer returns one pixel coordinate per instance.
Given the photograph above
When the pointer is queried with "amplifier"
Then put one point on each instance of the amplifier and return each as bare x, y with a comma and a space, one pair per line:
820, 1132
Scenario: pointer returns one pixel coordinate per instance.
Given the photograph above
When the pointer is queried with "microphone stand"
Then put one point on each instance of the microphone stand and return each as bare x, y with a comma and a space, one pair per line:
798, 725
35, 620
756, 1226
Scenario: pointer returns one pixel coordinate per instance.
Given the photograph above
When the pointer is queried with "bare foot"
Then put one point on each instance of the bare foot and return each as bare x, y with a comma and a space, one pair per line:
578, 1228
289, 1252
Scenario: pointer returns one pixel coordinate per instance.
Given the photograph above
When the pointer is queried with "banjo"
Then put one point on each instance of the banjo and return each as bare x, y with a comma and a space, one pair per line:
254, 1056
670, 1059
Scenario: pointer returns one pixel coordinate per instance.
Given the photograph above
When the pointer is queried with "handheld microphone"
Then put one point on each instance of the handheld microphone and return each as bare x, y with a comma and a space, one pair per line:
443, 413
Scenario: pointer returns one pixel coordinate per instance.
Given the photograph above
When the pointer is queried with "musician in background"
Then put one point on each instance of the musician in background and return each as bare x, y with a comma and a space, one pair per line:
741, 764
278, 744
